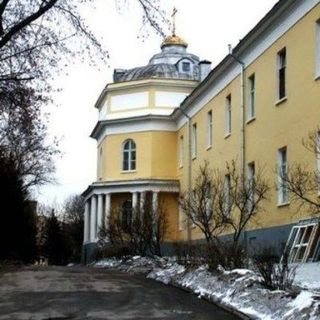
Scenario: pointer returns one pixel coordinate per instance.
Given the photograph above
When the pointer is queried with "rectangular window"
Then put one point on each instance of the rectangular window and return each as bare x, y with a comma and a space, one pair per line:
318, 153
251, 184
209, 129
318, 49
227, 195
282, 65
181, 151
186, 66
227, 124
194, 141
283, 194
252, 98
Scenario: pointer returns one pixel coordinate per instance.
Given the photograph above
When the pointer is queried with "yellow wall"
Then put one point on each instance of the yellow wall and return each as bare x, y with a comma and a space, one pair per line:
275, 126
155, 153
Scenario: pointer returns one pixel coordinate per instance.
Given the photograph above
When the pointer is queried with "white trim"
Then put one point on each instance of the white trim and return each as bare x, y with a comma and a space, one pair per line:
265, 40
136, 125
172, 186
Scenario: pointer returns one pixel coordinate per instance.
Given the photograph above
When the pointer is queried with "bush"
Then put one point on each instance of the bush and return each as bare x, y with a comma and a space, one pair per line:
190, 254
227, 255
275, 275
112, 251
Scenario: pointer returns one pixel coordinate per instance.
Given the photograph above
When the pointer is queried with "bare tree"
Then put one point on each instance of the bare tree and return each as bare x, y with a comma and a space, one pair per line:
142, 230
247, 196
224, 202
303, 182
35, 35
204, 206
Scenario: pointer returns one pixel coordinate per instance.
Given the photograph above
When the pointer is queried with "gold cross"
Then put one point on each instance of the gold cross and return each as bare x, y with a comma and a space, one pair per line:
174, 12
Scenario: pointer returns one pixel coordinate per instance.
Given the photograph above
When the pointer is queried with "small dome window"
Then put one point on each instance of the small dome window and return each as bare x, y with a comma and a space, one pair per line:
186, 66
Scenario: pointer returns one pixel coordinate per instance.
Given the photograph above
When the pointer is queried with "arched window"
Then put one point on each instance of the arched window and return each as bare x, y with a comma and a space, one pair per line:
129, 155
126, 215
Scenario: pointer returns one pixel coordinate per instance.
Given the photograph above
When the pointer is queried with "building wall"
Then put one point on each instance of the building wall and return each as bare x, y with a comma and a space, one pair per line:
156, 156
276, 124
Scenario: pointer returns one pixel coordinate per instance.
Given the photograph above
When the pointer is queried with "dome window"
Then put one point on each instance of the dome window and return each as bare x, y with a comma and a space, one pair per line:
186, 66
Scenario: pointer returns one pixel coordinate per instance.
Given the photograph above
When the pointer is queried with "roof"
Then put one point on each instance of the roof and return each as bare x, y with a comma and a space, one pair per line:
160, 70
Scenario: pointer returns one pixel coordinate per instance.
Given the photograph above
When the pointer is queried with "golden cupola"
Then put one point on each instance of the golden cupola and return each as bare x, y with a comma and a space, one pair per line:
174, 40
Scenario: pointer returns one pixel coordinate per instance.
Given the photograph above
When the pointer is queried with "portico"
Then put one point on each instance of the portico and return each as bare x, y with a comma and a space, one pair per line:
99, 204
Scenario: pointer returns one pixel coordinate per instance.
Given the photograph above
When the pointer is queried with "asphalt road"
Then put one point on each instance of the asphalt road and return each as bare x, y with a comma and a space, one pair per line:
86, 293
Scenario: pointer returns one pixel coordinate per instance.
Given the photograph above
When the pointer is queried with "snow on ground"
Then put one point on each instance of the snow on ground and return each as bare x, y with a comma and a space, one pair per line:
307, 276
239, 289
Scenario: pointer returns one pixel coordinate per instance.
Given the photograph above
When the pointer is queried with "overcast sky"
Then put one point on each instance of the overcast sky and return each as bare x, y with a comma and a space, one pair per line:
207, 25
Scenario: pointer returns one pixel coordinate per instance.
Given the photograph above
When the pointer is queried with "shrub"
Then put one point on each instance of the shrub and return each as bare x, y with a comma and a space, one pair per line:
275, 275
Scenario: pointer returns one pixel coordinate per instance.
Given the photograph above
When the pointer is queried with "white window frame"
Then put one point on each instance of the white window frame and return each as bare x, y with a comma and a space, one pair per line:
194, 141
209, 129
228, 115
283, 194
181, 151
317, 43
132, 163
318, 152
298, 235
282, 67
251, 97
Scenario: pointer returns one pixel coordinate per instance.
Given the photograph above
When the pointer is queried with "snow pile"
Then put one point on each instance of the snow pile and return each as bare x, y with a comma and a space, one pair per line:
238, 290
307, 276
241, 290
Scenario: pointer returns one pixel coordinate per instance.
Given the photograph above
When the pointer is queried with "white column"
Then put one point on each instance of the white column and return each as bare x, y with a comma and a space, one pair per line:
93, 219
86, 235
134, 200
155, 201
142, 200
100, 213
107, 209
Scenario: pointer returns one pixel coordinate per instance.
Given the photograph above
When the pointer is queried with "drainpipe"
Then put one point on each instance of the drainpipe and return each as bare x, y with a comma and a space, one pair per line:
242, 114
189, 168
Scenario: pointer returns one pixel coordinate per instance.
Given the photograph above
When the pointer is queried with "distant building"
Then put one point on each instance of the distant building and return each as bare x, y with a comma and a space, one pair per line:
149, 116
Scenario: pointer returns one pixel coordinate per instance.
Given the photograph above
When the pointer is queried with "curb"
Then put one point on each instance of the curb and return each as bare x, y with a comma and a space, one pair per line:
227, 308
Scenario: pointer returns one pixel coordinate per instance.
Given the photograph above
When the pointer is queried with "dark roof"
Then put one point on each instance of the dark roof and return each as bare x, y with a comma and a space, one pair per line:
161, 70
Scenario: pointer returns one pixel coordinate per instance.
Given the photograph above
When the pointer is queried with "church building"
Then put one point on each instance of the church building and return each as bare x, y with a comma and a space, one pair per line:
160, 122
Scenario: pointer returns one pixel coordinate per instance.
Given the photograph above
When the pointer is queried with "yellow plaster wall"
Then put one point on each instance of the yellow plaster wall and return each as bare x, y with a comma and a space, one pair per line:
155, 153
275, 126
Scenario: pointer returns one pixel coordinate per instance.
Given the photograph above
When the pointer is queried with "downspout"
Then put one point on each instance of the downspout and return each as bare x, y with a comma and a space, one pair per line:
242, 115
189, 168
242, 126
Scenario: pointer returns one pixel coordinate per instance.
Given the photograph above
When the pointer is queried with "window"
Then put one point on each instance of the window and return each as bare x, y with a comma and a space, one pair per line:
129, 156
227, 124
303, 241
318, 152
100, 163
252, 98
318, 49
209, 129
227, 195
283, 194
282, 65
194, 141
186, 66
251, 184
181, 151
126, 215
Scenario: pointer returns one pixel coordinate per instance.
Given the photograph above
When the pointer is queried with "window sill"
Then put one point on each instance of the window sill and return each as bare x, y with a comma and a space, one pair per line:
128, 171
280, 101
251, 120
285, 204
226, 136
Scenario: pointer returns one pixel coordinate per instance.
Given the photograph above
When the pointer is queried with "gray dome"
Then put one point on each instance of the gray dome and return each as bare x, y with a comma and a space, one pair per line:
173, 62
161, 71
